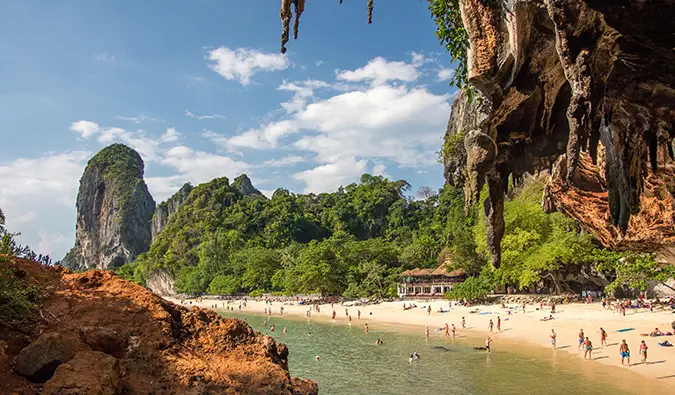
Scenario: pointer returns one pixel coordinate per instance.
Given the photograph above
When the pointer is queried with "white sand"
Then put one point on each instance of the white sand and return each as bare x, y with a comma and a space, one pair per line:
518, 328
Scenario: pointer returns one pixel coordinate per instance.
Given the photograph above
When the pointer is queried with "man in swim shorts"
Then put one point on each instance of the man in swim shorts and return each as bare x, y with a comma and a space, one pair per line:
588, 348
581, 339
625, 352
553, 338
487, 344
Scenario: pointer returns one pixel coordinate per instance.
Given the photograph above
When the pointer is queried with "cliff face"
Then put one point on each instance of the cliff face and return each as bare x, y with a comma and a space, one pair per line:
168, 208
99, 334
561, 76
114, 209
244, 185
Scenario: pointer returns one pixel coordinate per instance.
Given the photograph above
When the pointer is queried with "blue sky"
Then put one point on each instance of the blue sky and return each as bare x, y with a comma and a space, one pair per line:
201, 90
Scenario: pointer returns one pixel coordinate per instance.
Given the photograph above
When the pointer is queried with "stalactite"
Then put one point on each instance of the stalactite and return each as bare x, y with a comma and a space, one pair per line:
494, 215
285, 15
370, 11
299, 8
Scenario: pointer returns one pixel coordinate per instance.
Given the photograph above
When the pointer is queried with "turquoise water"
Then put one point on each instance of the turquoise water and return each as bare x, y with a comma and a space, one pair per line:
351, 363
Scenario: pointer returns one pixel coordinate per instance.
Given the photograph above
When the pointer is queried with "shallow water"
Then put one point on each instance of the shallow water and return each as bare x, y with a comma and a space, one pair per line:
351, 363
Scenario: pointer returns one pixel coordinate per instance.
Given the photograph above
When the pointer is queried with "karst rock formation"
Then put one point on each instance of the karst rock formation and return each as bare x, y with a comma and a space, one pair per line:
567, 82
168, 208
114, 211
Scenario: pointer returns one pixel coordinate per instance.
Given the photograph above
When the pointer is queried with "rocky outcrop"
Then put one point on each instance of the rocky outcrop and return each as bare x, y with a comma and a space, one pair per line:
466, 115
244, 185
114, 209
560, 76
89, 372
168, 208
110, 336
161, 282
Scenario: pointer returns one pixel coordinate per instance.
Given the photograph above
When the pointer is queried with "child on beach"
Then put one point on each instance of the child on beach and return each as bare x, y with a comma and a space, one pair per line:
643, 351
603, 337
553, 338
625, 352
499, 323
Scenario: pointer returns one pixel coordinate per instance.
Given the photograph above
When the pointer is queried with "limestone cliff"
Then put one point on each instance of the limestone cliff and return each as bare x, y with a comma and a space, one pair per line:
244, 185
168, 208
466, 115
114, 209
561, 76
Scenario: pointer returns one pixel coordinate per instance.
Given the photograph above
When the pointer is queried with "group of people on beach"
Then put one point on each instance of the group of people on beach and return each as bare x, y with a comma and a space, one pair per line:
587, 345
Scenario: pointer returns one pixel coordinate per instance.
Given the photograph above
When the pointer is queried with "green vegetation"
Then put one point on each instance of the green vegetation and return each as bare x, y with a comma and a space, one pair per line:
122, 168
18, 300
353, 241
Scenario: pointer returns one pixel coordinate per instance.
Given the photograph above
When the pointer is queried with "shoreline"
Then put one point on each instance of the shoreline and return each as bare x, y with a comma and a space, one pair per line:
519, 330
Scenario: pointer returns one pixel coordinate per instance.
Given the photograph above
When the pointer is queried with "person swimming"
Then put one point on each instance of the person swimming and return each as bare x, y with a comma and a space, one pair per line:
414, 357
378, 342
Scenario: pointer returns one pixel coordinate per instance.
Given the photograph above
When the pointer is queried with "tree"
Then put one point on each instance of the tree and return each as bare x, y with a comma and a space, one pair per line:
223, 285
635, 270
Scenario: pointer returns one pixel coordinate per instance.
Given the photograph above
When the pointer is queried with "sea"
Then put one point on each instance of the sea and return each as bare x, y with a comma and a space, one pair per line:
351, 363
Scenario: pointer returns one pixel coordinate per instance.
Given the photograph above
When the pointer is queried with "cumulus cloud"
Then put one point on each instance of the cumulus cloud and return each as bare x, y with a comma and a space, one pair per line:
38, 196
379, 71
327, 178
445, 74
242, 63
190, 114
139, 140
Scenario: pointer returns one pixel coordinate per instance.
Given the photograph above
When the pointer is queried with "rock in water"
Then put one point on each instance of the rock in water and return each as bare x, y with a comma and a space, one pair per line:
114, 210
168, 208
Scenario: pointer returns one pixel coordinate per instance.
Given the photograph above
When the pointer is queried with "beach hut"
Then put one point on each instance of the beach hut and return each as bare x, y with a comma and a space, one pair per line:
428, 282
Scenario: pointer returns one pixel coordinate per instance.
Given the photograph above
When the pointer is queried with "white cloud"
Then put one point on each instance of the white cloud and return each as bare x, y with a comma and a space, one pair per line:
105, 57
445, 74
380, 170
39, 194
327, 178
285, 161
169, 136
140, 118
190, 114
199, 166
318, 63
139, 140
241, 64
379, 71
265, 137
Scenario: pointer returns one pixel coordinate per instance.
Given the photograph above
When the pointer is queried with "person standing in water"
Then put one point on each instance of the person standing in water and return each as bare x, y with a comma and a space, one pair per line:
453, 331
603, 337
366, 328
581, 339
426, 331
499, 323
350, 319
588, 348
285, 330
553, 338
625, 352
265, 323
463, 323
447, 330
491, 326
333, 319
643, 351
488, 341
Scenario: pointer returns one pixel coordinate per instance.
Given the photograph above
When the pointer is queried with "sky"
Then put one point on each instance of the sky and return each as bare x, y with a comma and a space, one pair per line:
200, 89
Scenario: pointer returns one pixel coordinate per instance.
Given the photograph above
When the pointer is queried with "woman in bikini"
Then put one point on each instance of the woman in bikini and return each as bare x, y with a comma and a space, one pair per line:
603, 337
643, 351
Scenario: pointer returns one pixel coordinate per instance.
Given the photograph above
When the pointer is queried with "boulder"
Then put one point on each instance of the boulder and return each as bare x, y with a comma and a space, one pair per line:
105, 340
41, 358
89, 372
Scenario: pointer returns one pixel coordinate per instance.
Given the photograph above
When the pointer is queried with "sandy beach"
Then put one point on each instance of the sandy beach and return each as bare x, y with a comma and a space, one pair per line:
517, 328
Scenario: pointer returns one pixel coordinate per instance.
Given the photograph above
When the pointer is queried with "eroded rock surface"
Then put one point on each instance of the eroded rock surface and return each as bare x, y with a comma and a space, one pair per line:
39, 360
168, 208
152, 346
560, 76
114, 209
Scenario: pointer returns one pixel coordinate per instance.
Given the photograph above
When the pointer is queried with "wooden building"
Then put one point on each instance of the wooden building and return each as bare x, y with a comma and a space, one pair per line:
419, 283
